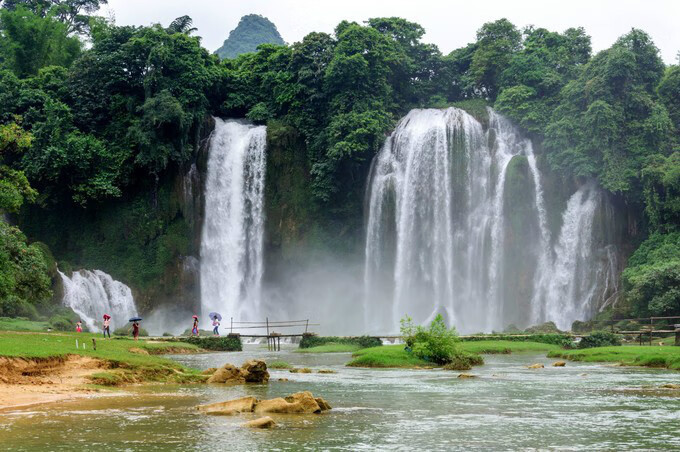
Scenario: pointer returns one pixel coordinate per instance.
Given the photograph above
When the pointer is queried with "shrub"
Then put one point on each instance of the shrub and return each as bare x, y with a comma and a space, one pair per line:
437, 344
547, 327
464, 361
61, 322
600, 339
563, 340
220, 344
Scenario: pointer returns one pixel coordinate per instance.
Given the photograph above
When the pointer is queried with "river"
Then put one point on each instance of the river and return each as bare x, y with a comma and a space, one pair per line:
578, 407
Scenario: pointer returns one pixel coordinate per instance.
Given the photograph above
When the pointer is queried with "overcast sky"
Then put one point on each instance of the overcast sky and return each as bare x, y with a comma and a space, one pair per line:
449, 24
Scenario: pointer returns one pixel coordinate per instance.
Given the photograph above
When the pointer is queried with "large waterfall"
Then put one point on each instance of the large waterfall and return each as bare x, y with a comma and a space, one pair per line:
231, 242
457, 225
91, 294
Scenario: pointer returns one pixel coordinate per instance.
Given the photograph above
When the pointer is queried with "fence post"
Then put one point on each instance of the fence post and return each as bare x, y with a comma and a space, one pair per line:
268, 340
231, 327
306, 325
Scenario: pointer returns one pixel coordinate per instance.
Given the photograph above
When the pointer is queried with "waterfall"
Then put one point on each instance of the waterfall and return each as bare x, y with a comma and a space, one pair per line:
233, 227
567, 288
457, 225
91, 294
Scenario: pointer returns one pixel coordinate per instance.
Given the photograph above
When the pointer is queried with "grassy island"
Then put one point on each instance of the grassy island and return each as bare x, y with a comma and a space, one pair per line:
630, 355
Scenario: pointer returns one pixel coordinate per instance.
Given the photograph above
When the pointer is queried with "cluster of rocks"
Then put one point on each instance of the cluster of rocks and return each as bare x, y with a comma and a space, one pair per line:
298, 403
253, 371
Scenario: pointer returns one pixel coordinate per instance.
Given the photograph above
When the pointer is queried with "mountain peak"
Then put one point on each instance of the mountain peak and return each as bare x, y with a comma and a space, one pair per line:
251, 31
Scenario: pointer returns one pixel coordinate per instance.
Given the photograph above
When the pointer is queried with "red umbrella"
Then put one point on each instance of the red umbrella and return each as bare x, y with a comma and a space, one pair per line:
195, 316
106, 316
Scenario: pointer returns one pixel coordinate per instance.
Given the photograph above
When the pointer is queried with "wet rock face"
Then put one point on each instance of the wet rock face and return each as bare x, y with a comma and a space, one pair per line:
253, 371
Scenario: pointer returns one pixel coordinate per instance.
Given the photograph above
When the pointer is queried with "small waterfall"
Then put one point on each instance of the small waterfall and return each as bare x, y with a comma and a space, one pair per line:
441, 236
576, 280
91, 294
233, 227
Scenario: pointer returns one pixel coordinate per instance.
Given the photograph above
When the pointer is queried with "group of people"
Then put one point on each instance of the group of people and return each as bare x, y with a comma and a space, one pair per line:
215, 323
106, 328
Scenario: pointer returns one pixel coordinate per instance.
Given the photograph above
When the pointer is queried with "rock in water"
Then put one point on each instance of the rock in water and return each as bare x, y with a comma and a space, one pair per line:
536, 366
325, 406
255, 371
242, 405
301, 370
671, 386
298, 403
263, 422
227, 374
559, 364
467, 376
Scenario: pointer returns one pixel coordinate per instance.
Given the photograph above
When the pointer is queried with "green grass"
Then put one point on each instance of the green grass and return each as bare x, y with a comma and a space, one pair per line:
632, 355
331, 348
386, 356
125, 366
496, 347
279, 365
21, 324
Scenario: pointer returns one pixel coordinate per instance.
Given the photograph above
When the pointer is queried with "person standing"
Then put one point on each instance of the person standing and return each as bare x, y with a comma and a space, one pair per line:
79, 326
216, 325
135, 330
194, 329
107, 326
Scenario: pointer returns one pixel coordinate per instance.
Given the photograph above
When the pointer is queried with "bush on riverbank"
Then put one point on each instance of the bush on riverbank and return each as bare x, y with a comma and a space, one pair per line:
600, 339
219, 344
436, 344
309, 341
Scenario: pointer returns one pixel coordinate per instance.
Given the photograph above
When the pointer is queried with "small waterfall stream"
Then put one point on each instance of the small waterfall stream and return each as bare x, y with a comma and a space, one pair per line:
233, 227
442, 236
91, 294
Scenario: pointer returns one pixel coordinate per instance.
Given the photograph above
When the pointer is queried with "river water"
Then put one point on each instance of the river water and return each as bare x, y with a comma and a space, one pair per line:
509, 407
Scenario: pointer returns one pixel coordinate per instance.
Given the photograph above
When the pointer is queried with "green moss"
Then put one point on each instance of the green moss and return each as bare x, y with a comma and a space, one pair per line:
221, 343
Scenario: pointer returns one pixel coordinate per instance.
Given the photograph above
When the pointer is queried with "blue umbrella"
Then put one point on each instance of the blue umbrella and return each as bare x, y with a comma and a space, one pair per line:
216, 314
135, 319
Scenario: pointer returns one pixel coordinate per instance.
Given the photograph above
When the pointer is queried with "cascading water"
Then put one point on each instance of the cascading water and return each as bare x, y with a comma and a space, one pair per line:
91, 294
566, 289
457, 225
233, 227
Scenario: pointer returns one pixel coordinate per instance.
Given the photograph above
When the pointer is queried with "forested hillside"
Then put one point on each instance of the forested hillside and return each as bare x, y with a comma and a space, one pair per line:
99, 124
251, 31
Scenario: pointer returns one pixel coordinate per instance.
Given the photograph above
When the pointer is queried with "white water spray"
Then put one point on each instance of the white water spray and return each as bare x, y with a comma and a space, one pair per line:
233, 227
91, 294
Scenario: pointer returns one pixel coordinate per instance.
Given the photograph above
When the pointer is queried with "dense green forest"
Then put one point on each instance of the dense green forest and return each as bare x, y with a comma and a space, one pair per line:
98, 120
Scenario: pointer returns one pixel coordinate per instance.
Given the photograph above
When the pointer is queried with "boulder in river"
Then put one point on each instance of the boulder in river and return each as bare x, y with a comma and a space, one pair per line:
559, 364
301, 370
298, 403
242, 405
536, 366
671, 386
253, 371
262, 422
466, 376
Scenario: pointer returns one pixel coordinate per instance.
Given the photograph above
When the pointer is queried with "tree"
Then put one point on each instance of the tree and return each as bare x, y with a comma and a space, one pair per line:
496, 43
14, 187
30, 42
73, 13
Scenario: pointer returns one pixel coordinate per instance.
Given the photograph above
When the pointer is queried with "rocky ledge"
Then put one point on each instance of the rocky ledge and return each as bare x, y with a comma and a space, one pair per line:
298, 403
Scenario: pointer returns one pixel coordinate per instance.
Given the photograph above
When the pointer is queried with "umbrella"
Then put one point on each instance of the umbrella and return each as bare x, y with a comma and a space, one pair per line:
216, 314
106, 316
135, 319
194, 316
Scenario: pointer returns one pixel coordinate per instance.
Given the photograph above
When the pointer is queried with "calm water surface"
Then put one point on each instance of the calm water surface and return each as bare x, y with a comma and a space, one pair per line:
509, 407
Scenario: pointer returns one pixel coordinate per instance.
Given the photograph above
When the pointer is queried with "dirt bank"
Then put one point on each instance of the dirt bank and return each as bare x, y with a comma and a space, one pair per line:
32, 381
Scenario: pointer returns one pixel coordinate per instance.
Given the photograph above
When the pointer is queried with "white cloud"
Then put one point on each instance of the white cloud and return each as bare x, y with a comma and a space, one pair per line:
449, 24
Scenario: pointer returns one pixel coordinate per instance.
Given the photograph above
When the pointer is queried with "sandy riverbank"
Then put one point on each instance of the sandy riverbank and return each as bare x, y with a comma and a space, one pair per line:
25, 382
